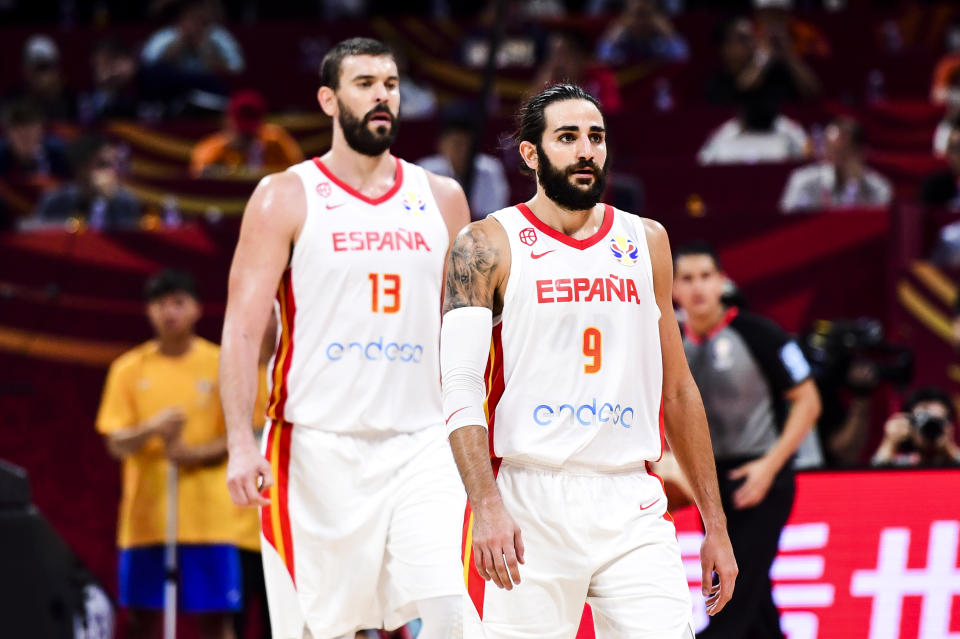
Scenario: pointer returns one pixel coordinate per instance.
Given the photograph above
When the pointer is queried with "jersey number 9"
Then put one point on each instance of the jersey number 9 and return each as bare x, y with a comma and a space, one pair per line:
592, 348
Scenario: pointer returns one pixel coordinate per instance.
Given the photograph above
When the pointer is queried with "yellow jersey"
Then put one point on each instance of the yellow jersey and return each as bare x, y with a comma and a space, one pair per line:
140, 384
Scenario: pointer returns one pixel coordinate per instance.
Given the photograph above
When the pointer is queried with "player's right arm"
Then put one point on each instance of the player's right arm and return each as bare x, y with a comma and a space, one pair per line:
271, 222
476, 277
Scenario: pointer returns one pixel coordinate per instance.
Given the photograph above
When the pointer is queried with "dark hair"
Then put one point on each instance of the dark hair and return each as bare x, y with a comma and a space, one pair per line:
21, 112
84, 149
931, 394
170, 281
112, 46
330, 66
858, 137
698, 247
531, 121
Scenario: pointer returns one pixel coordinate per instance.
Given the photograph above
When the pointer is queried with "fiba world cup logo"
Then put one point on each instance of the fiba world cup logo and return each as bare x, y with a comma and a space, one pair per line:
528, 236
323, 189
624, 250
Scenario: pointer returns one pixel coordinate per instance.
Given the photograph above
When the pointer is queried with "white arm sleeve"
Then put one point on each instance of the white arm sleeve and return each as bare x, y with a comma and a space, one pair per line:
464, 350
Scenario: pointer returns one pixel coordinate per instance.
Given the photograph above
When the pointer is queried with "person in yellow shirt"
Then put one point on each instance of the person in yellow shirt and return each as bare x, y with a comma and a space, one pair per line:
247, 145
161, 406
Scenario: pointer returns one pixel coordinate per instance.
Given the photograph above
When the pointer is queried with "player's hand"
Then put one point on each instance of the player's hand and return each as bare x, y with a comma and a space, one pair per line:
759, 474
168, 423
497, 547
716, 557
181, 454
248, 473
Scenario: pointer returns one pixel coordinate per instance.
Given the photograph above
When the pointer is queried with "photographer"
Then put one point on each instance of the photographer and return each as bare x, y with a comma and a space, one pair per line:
921, 435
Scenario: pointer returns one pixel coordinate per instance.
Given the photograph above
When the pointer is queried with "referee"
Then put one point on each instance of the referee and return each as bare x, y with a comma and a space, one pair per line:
761, 403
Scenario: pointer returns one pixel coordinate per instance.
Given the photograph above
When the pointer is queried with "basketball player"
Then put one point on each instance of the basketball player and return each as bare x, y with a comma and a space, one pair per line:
586, 353
359, 485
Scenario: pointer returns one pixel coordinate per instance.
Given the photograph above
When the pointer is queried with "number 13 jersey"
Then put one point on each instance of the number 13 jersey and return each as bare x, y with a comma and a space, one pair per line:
575, 373
358, 350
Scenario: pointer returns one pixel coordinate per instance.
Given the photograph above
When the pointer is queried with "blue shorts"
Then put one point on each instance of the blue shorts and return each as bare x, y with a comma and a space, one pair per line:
209, 578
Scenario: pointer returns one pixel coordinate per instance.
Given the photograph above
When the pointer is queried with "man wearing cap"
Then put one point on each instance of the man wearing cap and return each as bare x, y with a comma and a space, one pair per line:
247, 144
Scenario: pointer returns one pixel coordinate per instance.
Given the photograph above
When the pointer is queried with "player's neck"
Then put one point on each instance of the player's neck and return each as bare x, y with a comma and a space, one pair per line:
175, 346
576, 224
370, 175
705, 323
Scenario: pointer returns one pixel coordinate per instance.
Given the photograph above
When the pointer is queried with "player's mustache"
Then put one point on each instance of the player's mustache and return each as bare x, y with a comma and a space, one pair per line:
583, 164
380, 108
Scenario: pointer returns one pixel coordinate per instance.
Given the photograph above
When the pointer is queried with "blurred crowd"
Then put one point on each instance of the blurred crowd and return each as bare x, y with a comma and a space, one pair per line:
57, 138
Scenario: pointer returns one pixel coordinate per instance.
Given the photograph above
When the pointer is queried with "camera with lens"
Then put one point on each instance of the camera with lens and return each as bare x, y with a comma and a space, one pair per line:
929, 426
832, 346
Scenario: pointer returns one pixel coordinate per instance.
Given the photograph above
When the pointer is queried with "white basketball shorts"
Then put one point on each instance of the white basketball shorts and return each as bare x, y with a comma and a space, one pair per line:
601, 539
359, 529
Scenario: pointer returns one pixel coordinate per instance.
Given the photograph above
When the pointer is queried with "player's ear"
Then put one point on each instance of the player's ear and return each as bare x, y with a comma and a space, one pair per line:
327, 100
528, 151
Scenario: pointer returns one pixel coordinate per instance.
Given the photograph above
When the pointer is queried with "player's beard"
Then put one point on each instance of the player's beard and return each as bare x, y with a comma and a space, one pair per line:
359, 136
558, 187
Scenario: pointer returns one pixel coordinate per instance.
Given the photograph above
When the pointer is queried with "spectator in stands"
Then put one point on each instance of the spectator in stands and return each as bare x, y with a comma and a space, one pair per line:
951, 116
761, 403
27, 153
247, 144
96, 196
160, 410
943, 188
490, 190
841, 178
524, 40
115, 92
758, 134
922, 434
194, 43
641, 32
43, 80
418, 99
945, 73
767, 67
569, 60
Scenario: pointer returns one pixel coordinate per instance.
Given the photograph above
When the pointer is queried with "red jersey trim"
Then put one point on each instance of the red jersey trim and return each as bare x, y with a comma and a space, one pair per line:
586, 243
722, 324
397, 182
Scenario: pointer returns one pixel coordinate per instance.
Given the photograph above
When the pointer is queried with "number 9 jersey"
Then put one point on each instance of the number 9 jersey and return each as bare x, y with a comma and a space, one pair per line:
575, 373
359, 308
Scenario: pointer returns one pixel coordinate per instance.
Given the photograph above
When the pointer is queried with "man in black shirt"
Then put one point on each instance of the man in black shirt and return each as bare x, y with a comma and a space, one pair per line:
760, 403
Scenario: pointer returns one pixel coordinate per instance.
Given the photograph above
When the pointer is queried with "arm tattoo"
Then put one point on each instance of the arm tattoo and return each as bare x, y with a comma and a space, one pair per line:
470, 270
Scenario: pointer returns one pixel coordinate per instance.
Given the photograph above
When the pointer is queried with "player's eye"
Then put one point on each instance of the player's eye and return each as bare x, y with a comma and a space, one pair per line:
596, 138
566, 137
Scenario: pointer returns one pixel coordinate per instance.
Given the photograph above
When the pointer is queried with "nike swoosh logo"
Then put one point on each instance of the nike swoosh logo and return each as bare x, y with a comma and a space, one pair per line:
455, 412
650, 504
537, 256
335, 206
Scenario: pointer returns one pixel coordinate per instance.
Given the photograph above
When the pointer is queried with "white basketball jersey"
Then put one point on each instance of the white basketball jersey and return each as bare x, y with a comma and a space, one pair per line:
360, 308
575, 376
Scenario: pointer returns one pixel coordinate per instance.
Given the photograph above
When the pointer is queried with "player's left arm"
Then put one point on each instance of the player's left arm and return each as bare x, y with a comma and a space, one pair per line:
685, 424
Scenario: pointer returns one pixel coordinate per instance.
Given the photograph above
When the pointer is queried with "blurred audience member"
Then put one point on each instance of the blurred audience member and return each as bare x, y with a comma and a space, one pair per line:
569, 60
767, 67
114, 93
921, 435
419, 100
945, 73
247, 144
641, 32
160, 412
194, 44
43, 80
759, 134
941, 189
775, 18
524, 40
841, 178
95, 197
951, 118
27, 153
490, 189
